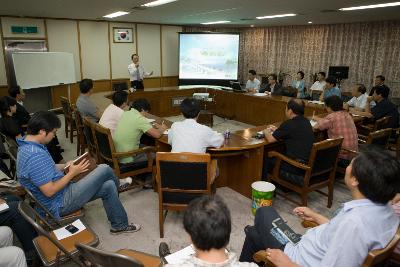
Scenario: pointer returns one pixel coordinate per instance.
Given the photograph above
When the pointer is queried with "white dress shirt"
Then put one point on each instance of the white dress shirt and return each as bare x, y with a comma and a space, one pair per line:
190, 136
110, 118
358, 102
318, 86
253, 84
137, 74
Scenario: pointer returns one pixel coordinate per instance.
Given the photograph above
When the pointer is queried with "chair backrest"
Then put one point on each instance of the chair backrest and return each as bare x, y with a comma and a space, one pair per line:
380, 255
54, 220
120, 86
379, 138
324, 156
183, 176
103, 258
66, 107
79, 123
105, 144
30, 215
381, 123
88, 131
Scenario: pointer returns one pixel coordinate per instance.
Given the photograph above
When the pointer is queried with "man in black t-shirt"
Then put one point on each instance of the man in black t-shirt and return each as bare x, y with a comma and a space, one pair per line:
296, 133
383, 106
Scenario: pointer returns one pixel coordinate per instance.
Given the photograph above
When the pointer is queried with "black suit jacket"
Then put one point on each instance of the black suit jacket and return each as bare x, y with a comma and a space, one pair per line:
21, 116
278, 90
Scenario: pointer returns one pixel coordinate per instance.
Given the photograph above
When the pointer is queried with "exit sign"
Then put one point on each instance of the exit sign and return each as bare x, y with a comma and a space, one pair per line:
24, 29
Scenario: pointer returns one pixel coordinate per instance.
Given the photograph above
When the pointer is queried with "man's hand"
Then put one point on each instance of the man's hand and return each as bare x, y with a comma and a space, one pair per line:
308, 214
252, 90
161, 127
279, 258
370, 99
79, 168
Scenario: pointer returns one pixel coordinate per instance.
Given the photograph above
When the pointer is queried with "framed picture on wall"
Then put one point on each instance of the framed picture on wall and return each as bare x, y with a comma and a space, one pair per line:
123, 35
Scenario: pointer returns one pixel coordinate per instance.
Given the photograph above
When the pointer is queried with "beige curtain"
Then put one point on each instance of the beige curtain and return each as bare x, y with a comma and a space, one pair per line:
368, 48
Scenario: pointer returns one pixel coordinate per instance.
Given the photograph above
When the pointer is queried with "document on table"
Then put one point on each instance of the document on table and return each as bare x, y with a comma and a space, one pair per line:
259, 94
62, 233
313, 123
166, 132
317, 102
150, 120
3, 206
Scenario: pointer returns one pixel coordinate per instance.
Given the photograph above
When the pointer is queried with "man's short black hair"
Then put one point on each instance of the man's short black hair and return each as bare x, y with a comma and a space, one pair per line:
334, 102
361, 88
85, 85
382, 90
322, 73
378, 173
331, 80
381, 77
274, 77
119, 98
5, 103
208, 222
43, 120
190, 108
253, 72
141, 104
301, 74
13, 91
133, 56
296, 105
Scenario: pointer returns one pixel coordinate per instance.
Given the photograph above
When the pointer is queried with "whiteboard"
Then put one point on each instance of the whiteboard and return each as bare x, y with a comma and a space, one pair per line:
41, 69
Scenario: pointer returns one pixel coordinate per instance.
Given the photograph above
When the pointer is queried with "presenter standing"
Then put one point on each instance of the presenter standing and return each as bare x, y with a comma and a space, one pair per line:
137, 73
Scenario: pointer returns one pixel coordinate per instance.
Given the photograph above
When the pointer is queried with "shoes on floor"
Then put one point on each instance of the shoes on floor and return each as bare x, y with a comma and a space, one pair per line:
163, 250
124, 183
131, 228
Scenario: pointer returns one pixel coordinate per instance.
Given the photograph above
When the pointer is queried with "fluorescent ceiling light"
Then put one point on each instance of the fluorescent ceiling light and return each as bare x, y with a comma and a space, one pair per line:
216, 22
276, 16
115, 14
370, 6
158, 3
310, 22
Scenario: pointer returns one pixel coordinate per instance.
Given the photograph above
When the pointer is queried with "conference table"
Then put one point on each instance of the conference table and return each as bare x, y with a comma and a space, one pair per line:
240, 159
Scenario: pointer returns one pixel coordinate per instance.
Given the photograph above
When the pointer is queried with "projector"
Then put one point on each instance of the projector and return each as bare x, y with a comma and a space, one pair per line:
201, 96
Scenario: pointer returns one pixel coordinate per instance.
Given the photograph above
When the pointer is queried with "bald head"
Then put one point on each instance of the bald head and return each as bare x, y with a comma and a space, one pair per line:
296, 106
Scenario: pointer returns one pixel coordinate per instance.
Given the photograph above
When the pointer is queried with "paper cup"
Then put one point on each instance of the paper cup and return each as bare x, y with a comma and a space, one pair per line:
262, 194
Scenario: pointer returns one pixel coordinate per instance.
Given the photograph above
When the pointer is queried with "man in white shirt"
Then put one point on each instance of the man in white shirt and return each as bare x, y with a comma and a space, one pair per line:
190, 136
318, 87
113, 112
359, 99
137, 73
253, 84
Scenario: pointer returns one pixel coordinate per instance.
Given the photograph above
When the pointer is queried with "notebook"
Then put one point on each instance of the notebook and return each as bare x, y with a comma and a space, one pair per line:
92, 166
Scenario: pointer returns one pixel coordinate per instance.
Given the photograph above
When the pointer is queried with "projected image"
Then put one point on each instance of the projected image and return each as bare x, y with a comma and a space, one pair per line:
208, 56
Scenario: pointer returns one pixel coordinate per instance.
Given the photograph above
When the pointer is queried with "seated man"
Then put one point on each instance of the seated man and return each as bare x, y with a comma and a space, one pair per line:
318, 86
378, 81
112, 114
383, 106
330, 89
252, 84
207, 220
84, 104
132, 125
359, 100
190, 136
8, 125
53, 188
363, 224
339, 123
296, 133
273, 86
9, 254
21, 115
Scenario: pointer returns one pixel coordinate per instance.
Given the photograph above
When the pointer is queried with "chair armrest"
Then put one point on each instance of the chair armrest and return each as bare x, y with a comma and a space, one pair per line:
146, 149
309, 224
289, 160
261, 256
349, 150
